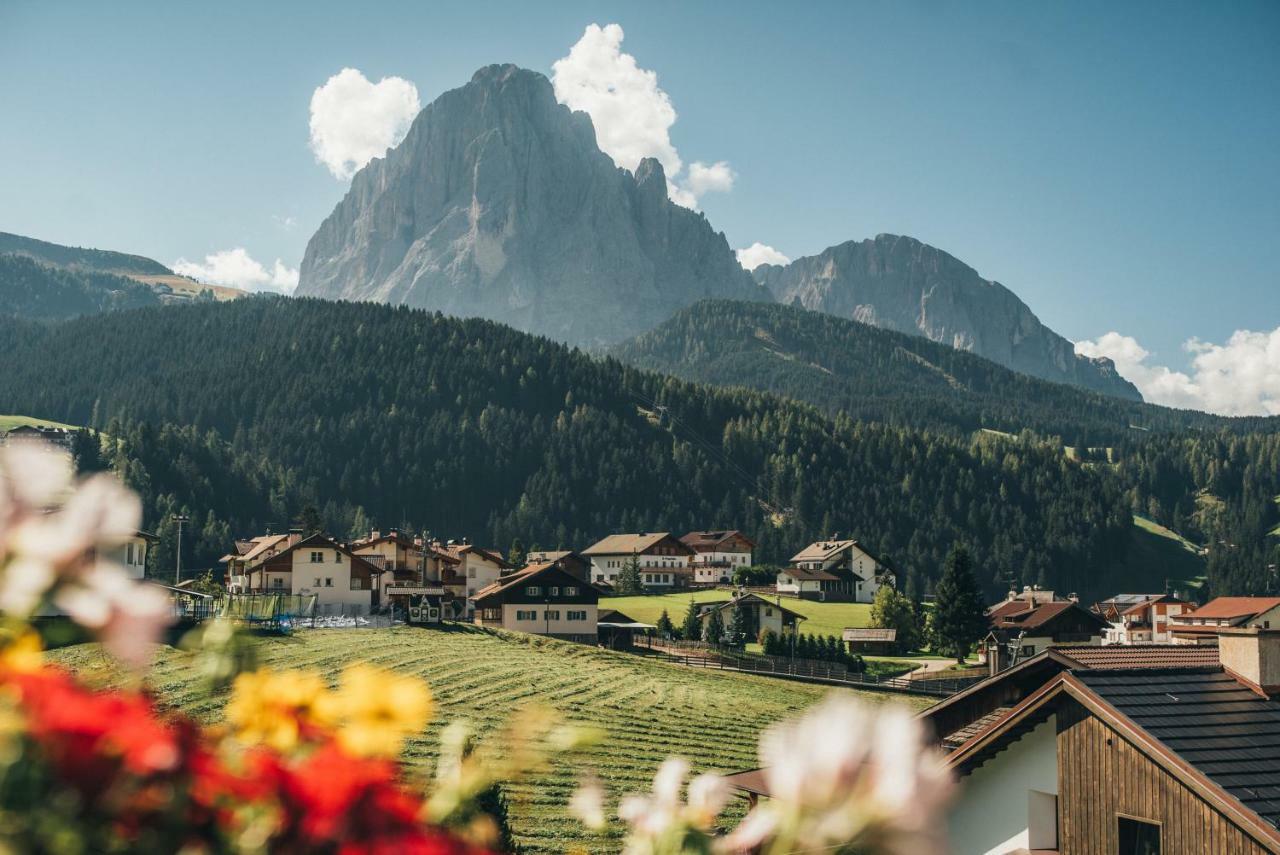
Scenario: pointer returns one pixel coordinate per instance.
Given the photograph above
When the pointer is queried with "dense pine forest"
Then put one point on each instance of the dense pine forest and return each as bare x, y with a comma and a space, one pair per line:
243, 414
32, 289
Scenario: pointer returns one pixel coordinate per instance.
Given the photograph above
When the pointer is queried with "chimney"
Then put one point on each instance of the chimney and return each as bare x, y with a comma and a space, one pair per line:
997, 657
1252, 654
375, 534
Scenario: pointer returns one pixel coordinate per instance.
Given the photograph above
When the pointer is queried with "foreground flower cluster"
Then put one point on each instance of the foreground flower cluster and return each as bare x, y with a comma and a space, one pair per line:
299, 766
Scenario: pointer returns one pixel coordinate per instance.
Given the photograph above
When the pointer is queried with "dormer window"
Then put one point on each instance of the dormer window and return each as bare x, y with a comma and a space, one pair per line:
533, 591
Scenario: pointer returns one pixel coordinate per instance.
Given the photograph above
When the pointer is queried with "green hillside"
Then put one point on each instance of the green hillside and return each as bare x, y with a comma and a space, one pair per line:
31, 288
647, 709
838, 364
99, 260
8, 423
243, 413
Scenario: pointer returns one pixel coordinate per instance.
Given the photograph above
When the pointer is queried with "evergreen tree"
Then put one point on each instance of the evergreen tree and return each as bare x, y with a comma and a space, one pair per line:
628, 583
517, 555
713, 629
768, 642
739, 626
492, 802
959, 619
310, 521
691, 627
666, 629
893, 610
86, 451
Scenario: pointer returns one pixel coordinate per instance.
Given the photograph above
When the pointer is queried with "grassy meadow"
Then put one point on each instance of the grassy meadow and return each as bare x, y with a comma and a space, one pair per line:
820, 618
647, 709
8, 423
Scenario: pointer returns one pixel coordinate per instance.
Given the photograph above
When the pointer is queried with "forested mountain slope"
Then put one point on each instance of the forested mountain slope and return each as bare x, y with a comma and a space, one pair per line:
876, 374
244, 412
900, 283
1212, 478
100, 260
35, 290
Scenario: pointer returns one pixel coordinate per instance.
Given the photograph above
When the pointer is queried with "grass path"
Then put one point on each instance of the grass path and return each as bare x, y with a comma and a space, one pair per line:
647, 709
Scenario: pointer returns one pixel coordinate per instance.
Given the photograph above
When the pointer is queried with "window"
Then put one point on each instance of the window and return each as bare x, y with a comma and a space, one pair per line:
128, 554
551, 614
1138, 837
577, 615
471, 572
599, 577
555, 592
526, 615
533, 591
337, 557
328, 582
570, 591
317, 582
317, 557
277, 582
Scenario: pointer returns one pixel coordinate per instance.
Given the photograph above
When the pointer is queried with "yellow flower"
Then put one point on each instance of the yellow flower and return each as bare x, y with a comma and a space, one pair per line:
23, 654
377, 709
272, 708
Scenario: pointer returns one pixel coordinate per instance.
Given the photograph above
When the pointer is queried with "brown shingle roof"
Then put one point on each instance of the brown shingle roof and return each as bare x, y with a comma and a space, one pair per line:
709, 539
1113, 656
1037, 616
625, 544
800, 574
1234, 607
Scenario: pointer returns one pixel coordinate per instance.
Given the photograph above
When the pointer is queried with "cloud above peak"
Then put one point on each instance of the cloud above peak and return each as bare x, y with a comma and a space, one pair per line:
1238, 378
631, 113
759, 253
354, 120
235, 268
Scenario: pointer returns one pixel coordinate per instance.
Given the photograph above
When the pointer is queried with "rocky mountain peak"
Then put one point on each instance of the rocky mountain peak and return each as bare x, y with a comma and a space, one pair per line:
500, 204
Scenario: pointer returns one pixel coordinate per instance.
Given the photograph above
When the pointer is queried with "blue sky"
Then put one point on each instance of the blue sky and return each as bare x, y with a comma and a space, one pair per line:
1116, 165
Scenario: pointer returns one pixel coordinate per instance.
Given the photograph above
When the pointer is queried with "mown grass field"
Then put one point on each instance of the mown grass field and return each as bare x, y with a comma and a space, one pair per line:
820, 618
648, 710
8, 423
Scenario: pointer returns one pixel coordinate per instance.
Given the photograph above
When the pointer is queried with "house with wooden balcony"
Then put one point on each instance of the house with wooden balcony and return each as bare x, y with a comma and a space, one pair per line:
313, 566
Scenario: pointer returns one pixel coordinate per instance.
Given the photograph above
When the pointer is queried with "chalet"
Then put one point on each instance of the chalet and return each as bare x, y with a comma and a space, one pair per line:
474, 570
570, 562
393, 552
870, 639
542, 600
761, 614
1202, 625
1139, 618
664, 561
1144, 748
251, 552
38, 435
836, 570
315, 565
1160, 756
717, 554
1023, 626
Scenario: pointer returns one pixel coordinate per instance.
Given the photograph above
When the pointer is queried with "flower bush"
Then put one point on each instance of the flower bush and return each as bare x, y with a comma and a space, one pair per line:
299, 766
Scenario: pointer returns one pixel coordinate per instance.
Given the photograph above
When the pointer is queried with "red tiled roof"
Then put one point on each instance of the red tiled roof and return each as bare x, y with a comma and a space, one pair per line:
1234, 607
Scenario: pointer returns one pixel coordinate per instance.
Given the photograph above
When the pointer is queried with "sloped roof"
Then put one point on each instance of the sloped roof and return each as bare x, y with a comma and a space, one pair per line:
709, 539
1234, 607
321, 540
821, 550
1212, 721
1122, 656
869, 633
705, 608
625, 544
264, 544
1037, 617
459, 550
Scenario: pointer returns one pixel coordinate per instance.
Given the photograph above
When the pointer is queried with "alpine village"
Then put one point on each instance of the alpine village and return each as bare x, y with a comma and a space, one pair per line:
526, 515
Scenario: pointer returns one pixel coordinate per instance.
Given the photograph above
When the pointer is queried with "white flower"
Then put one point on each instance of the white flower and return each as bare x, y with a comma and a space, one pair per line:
587, 803
35, 475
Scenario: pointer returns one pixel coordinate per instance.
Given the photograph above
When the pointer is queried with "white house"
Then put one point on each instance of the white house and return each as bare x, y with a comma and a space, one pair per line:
320, 566
857, 573
132, 554
1140, 618
718, 554
476, 570
663, 559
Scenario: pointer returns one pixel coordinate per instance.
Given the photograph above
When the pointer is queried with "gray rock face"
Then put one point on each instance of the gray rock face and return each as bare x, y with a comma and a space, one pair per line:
902, 284
499, 204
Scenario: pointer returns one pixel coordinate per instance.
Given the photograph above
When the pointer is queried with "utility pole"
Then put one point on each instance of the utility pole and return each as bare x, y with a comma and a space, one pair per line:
180, 519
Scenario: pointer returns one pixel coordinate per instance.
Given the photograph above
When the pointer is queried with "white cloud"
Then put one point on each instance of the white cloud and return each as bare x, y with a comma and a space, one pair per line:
235, 268
758, 253
286, 223
354, 121
1239, 378
632, 115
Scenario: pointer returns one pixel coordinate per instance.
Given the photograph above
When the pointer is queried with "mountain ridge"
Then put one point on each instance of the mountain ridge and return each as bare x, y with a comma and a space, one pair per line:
901, 283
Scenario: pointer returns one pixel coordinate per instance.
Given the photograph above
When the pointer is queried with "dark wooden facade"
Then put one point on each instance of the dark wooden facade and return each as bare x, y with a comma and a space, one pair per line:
1103, 776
